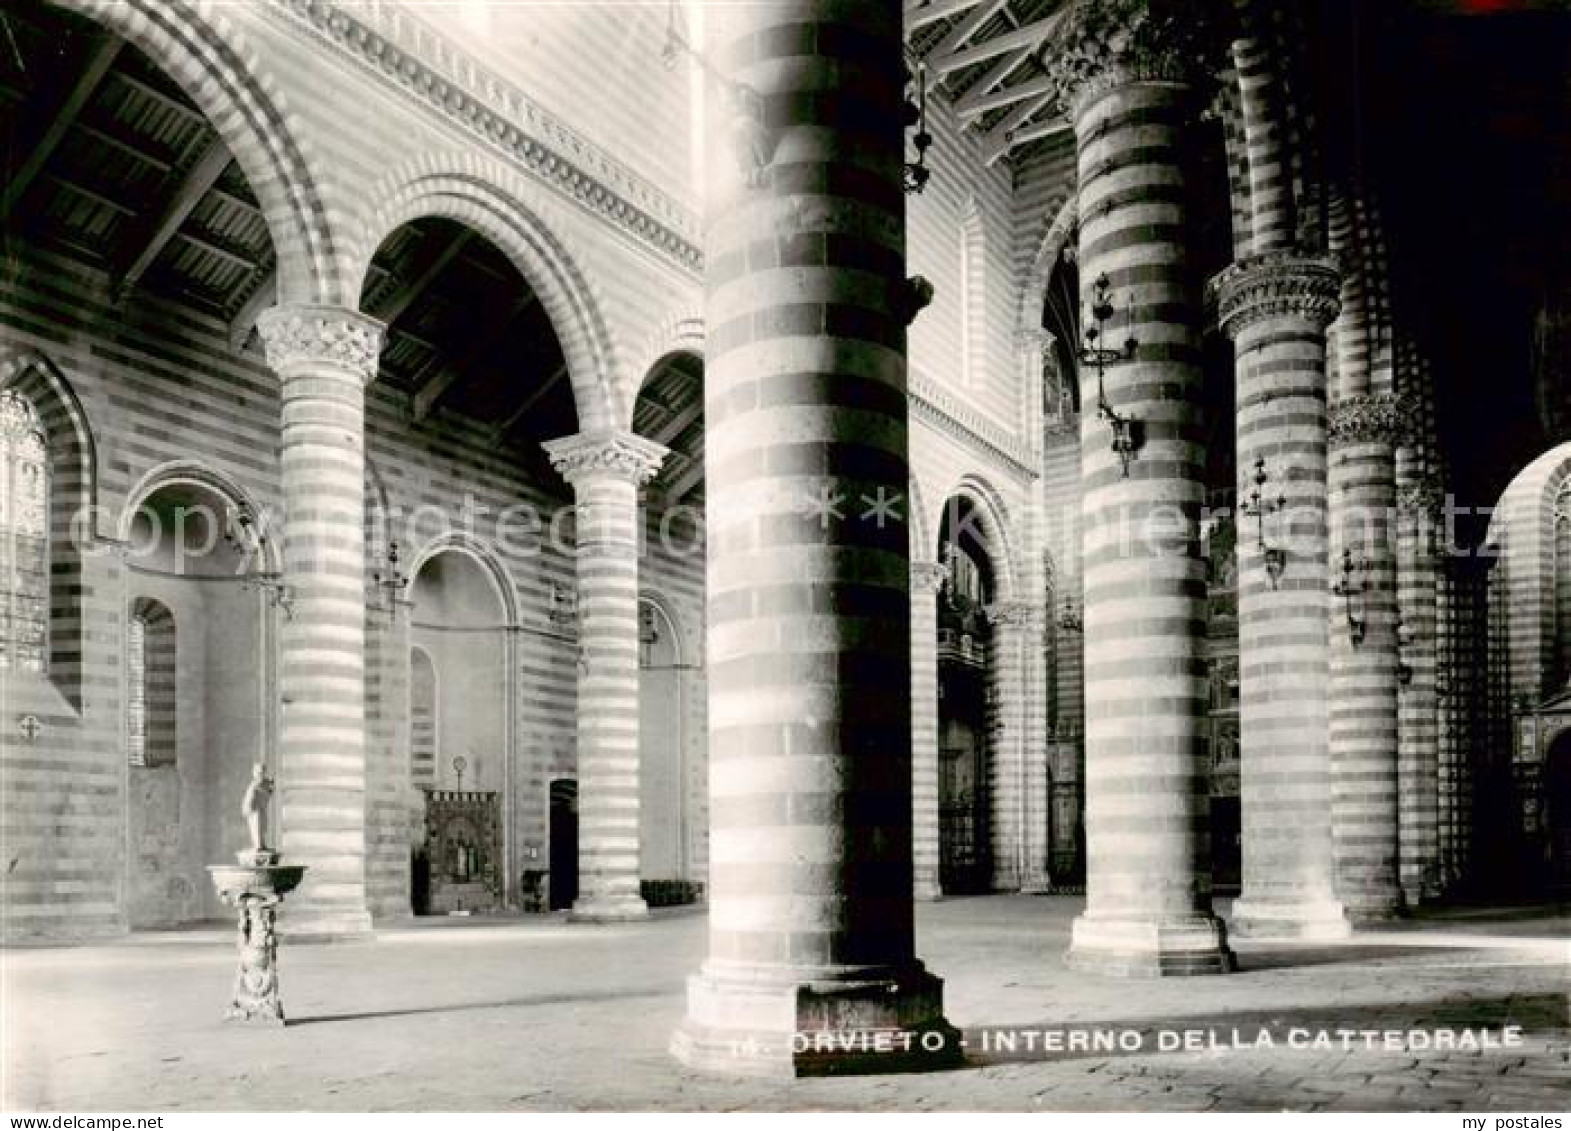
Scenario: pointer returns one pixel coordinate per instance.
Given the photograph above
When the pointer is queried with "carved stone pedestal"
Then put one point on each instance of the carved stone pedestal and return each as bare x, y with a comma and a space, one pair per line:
255, 888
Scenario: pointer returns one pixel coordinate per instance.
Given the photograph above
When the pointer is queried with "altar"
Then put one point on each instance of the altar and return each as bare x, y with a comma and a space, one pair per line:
462, 852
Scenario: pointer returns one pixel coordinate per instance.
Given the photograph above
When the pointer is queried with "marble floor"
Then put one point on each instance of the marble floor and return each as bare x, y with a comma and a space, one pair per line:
537, 1013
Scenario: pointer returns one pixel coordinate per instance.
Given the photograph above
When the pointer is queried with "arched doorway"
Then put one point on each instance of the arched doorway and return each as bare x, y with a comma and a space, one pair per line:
198, 715
664, 804
1557, 812
967, 703
458, 735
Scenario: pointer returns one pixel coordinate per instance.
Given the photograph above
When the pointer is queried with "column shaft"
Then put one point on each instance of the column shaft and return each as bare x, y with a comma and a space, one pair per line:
926, 579
1148, 905
1363, 707
809, 605
325, 356
606, 470
1418, 723
1276, 308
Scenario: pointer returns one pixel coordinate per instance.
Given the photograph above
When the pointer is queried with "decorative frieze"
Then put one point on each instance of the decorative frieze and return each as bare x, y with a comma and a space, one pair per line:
447, 80
302, 334
1373, 418
1276, 285
622, 455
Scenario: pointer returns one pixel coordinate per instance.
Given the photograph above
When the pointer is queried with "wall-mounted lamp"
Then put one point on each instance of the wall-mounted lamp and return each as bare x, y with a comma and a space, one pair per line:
1128, 433
390, 578
1259, 507
1070, 619
563, 606
1348, 588
246, 536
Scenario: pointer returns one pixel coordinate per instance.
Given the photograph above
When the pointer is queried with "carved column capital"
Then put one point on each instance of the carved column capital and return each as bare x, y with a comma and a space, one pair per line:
1276, 285
928, 577
1419, 498
298, 335
1105, 44
616, 455
1012, 614
1371, 418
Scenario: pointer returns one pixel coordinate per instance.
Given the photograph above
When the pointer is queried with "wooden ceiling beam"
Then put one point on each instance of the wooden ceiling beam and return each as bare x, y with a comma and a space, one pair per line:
679, 421
193, 187
102, 58
534, 398
264, 296
446, 377
961, 33
1005, 136
685, 480
1032, 36
920, 13
389, 311
978, 101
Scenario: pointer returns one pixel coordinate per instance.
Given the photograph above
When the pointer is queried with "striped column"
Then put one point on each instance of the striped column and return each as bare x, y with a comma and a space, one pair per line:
926, 580
1418, 711
606, 470
1018, 749
324, 356
1276, 308
811, 963
1148, 905
1363, 707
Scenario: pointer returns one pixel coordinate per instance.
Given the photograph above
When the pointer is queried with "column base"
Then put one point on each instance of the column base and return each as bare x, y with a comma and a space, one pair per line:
1375, 910
766, 1022
608, 909
1036, 883
1150, 948
307, 924
1308, 920
927, 891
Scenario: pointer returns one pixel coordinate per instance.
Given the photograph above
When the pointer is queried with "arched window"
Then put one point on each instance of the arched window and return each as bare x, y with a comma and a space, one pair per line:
24, 536
150, 685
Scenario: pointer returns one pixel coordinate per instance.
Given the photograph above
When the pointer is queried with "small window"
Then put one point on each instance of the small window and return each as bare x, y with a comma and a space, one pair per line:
24, 536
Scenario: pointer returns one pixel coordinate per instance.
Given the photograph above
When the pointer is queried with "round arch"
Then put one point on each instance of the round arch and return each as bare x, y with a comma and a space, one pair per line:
680, 333
212, 63
1522, 533
501, 206
994, 517
457, 542
686, 643
190, 473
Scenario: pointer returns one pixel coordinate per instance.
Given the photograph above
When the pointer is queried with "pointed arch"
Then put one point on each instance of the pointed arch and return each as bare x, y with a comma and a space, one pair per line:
73, 506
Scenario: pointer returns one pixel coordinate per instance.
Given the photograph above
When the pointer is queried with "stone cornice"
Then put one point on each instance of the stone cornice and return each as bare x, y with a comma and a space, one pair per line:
444, 78
943, 410
619, 455
1276, 285
303, 334
1373, 418
1105, 44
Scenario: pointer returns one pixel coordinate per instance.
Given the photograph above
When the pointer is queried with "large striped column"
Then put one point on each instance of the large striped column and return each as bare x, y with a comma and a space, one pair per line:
926, 580
1148, 905
606, 470
1276, 308
811, 963
1418, 712
1363, 708
325, 356
1018, 749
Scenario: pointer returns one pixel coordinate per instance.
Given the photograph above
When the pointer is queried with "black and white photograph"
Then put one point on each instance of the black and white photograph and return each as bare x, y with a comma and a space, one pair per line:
784, 556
